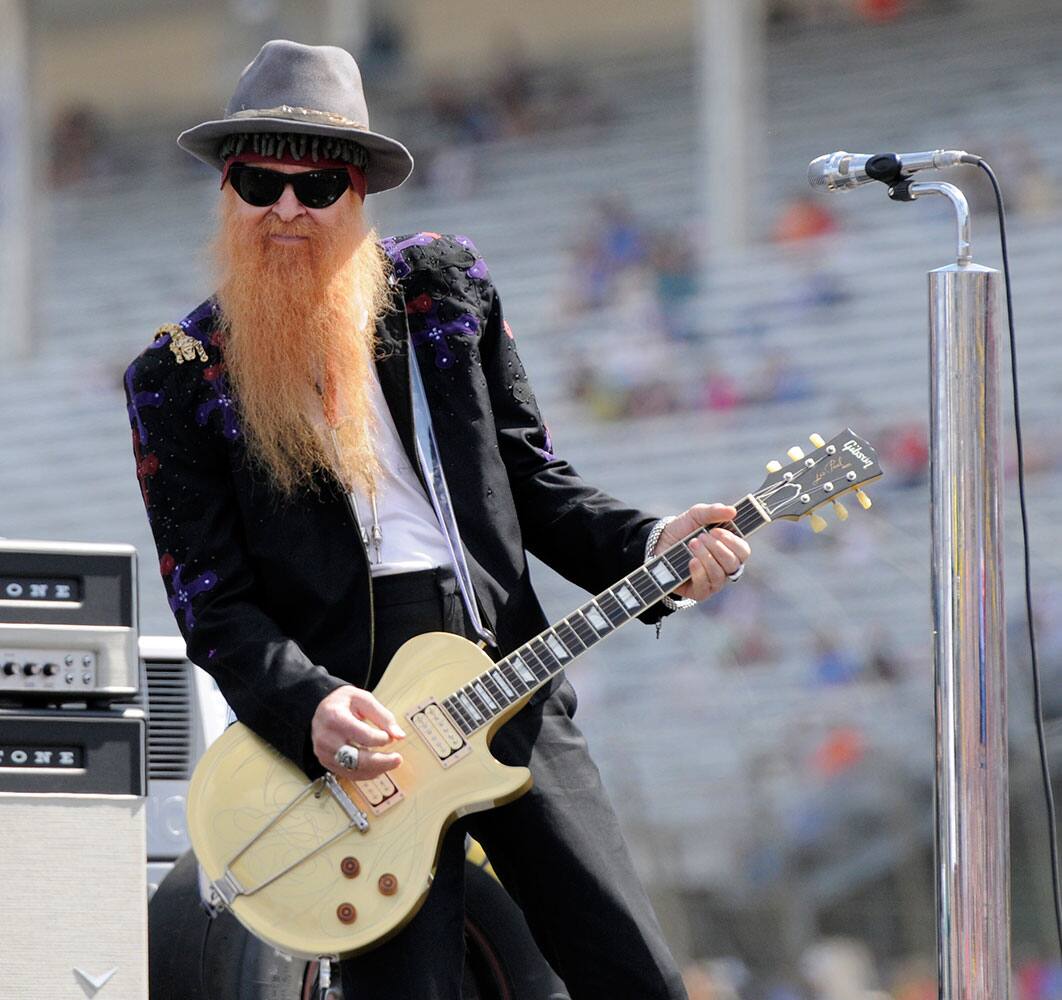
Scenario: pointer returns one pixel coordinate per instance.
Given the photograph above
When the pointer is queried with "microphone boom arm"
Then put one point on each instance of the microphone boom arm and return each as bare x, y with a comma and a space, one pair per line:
962, 213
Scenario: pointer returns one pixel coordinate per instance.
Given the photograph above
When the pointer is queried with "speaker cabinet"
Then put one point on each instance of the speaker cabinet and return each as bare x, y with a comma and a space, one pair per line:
73, 923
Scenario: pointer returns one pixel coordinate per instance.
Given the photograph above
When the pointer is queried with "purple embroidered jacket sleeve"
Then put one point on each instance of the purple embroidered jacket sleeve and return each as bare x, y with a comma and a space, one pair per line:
184, 467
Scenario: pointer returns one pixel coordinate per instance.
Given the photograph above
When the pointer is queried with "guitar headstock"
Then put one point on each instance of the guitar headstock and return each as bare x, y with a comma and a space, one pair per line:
844, 463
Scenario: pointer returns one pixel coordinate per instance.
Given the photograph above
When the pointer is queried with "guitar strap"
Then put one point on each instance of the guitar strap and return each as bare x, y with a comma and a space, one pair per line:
438, 493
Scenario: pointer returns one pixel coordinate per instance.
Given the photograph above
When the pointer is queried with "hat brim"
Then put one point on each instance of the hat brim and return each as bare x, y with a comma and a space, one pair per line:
390, 163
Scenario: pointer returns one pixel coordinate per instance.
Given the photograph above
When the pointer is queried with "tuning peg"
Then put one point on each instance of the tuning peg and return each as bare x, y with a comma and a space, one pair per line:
817, 523
774, 466
817, 440
864, 500
795, 453
840, 510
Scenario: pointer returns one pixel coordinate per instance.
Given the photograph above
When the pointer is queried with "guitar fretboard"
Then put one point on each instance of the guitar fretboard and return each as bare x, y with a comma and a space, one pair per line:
538, 661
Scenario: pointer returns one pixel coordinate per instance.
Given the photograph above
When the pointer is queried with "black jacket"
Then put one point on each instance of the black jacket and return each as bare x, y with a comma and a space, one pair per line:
273, 595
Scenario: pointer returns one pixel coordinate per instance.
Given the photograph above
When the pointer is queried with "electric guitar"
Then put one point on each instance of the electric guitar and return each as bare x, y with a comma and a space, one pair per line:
333, 866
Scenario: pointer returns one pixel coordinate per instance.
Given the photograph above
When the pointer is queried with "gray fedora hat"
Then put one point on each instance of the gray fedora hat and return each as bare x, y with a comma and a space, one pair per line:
305, 89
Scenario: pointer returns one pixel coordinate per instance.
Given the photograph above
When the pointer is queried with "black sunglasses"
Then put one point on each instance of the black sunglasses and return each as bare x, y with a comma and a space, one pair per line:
314, 188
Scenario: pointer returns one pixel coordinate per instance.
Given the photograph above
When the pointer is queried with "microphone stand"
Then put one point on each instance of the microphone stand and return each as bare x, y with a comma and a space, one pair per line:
971, 788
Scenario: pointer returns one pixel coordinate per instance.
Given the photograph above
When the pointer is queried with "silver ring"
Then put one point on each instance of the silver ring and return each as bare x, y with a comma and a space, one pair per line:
347, 757
736, 575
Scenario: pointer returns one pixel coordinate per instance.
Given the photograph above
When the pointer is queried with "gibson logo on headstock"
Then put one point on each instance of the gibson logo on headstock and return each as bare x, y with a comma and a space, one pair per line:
852, 447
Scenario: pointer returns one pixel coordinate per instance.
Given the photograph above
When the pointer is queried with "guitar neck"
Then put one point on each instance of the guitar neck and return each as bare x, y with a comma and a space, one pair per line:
538, 661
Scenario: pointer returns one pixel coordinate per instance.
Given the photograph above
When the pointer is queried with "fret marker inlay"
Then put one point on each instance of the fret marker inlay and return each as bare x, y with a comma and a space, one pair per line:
595, 618
557, 647
625, 595
482, 692
470, 708
521, 668
662, 573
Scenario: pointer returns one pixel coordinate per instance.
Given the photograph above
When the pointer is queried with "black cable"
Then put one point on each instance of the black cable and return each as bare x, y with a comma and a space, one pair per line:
1037, 703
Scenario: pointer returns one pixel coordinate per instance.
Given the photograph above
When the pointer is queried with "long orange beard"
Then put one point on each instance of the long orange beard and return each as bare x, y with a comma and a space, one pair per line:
298, 328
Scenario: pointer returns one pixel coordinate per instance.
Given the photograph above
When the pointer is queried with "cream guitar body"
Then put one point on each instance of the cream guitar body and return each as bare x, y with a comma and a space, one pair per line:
334, 866
366, 885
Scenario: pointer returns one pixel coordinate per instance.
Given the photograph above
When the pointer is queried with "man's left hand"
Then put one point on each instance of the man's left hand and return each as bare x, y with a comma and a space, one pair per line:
716, 555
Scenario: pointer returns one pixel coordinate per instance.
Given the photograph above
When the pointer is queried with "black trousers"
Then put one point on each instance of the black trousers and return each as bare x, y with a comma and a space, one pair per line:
557, 849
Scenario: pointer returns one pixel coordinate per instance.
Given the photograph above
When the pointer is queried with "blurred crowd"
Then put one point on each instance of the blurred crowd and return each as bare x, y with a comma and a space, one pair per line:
517, 100
640, 288
843, 969
789, 13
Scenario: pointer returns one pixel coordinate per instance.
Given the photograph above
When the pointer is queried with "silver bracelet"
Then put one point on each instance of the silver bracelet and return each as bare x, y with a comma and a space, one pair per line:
671, 603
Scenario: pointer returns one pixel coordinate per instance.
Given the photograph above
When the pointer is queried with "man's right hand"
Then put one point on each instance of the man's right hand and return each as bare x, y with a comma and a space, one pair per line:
350, 715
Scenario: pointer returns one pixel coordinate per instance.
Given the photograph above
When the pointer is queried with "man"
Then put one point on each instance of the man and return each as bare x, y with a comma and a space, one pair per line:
302, 539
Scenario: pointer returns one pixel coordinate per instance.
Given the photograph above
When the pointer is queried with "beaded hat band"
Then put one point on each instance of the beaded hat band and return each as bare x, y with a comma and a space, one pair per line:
290, 91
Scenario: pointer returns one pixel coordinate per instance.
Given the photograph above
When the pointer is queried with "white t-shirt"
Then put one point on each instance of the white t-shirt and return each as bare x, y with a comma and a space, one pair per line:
412, 537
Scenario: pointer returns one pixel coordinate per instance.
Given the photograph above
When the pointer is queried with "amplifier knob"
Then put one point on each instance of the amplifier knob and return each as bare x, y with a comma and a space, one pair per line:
51, 669
31, 669
10, 668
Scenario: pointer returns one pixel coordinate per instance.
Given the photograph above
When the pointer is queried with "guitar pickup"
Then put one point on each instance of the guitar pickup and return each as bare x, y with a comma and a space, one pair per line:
380, 792
442, 736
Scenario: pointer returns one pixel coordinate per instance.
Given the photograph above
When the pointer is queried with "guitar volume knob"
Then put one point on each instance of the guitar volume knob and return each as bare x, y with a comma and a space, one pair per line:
346, 913
388, 884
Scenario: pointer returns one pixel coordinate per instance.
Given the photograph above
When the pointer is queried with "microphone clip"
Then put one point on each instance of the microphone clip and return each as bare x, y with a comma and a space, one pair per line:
901, 190
888, 169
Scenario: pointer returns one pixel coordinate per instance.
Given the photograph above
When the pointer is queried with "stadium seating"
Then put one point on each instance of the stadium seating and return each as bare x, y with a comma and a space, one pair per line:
118, 259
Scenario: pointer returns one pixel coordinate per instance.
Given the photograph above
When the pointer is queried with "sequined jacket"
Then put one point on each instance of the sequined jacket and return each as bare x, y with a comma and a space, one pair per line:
272, 595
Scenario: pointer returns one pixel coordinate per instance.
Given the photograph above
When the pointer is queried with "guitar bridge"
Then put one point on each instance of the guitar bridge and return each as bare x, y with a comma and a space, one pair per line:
437, 730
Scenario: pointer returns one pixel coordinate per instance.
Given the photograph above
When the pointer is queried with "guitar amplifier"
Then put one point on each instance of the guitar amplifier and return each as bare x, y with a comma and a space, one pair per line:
72, 848
68, 622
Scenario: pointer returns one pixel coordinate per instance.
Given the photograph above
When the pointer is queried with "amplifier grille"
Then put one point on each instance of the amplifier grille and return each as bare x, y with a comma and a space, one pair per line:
169, 707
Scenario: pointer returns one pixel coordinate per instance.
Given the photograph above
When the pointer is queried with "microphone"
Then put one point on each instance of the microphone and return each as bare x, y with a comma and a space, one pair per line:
843, 171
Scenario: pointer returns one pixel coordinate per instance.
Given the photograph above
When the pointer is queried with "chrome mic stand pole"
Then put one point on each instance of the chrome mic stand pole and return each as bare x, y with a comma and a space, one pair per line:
971, 794
972, 884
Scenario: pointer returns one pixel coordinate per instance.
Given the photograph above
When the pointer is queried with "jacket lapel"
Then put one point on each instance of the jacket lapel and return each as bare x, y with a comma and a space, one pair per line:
393, 372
